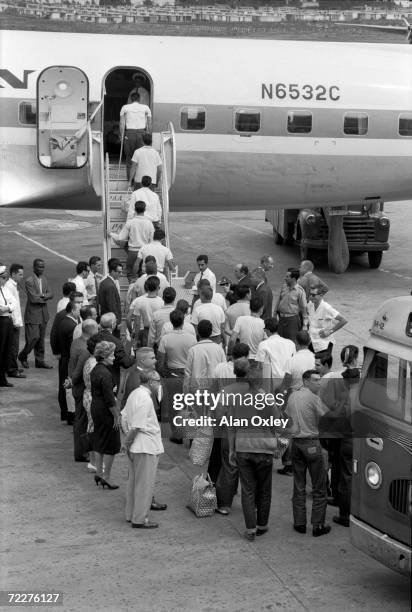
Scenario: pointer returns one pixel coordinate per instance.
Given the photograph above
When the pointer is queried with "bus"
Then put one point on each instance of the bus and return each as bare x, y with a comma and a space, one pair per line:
381, 506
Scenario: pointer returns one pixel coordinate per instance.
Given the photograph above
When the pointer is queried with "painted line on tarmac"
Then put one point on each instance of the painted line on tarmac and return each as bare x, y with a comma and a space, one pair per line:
408, 278
43, 246
250, 229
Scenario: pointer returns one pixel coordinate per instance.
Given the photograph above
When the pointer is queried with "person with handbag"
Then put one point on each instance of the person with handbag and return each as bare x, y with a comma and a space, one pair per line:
143, 444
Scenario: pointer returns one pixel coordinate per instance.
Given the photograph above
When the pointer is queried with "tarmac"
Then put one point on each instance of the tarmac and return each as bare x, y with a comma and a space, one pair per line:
61, 533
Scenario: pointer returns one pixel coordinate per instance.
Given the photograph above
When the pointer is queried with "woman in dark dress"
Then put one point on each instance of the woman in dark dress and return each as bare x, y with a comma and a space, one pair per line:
105, 414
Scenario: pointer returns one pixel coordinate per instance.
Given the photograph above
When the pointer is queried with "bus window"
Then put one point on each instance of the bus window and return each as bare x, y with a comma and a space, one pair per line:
405, 125
387, 385
27, 113
193, 118
299, 122
247, 121
355, 124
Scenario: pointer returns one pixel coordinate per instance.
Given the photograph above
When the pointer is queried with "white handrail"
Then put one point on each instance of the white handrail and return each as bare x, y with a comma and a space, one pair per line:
173, 139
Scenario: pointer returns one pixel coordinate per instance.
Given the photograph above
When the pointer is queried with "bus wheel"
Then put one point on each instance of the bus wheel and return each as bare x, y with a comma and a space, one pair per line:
277, 237
375, 258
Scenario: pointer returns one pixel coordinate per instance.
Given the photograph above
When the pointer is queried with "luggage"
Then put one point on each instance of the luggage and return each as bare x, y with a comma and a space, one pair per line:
201, 448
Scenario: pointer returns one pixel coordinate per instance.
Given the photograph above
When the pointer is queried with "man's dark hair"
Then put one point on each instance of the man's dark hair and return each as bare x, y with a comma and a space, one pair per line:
91, 343
177, 318
37, 260
203, 283
239, 350
135, 96
140, 207
86, 313
241, 291
150, 258
113, 264
182, 305
241, 367
294, 273
244, 269
94, 259
151, 284
307, 375
169, 295
256, 303
326, 361
206, 293
271, 325
151, 268
81, 267
303, 338
158, 234
147, 139
204, 258
72, 296
68, 288
146, 181
204, 329
15, 267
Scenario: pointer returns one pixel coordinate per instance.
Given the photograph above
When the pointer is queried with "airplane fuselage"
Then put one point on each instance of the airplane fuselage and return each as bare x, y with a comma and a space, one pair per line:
329, 123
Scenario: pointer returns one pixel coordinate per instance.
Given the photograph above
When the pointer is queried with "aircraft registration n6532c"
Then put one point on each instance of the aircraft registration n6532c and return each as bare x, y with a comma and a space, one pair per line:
255, 124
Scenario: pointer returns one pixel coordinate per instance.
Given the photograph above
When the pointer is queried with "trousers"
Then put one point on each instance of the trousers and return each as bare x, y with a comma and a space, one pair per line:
289, 327
307, 456
35, 334
13, 365
255, 472
132, 140
140, 485
228, 479
80, 422
6, 339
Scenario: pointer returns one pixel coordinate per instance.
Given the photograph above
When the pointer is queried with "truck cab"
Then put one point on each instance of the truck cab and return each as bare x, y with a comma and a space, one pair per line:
366, 228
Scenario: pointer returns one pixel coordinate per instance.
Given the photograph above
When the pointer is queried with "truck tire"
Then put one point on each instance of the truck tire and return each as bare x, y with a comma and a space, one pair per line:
375, 258
277, 237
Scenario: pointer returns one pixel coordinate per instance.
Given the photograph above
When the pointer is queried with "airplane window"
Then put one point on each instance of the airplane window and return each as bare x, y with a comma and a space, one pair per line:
299, 122
27, 113
193, 118
405, 125
355, 124
247, 121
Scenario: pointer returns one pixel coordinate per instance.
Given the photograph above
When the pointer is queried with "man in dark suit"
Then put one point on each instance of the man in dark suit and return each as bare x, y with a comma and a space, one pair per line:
108, 324
242, 275
36, 316
61, 337
78, 357
263, 291
109, 293
145, 360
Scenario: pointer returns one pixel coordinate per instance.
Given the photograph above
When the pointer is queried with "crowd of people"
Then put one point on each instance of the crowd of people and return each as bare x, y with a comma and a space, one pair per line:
116, 392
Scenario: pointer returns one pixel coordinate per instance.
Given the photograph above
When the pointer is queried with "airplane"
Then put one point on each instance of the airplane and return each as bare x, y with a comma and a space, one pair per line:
258, 124
398, 29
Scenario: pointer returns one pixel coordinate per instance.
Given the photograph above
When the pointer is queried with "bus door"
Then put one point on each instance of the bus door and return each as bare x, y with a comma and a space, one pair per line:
62, 103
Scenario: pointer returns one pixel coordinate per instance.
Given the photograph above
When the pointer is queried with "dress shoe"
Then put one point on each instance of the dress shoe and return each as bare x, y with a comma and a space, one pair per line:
44, 365
16, 375
176, 440
157, 506
146, 525
321, 530
250, 536
300, 528
82, 460
260, 532
222, 511
6, 384
341, 520
70, 418
285, 471
21, 370
24, 363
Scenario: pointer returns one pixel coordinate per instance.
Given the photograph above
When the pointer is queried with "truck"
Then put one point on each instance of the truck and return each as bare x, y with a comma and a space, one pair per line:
366, 228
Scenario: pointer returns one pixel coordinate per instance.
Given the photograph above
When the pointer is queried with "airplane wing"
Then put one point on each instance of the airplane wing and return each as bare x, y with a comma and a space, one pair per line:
400, 29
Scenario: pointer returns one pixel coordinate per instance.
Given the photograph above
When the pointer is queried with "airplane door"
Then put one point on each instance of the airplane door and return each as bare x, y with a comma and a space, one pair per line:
62, 102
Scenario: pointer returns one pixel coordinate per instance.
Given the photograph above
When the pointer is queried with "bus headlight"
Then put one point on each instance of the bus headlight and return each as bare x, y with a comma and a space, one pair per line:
373, 475
384, 221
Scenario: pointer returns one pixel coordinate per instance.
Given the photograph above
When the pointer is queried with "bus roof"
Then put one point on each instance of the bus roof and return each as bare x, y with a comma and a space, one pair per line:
393, 321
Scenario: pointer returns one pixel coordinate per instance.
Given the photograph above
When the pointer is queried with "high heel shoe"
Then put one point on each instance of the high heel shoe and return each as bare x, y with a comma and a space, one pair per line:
104, 484
97, 479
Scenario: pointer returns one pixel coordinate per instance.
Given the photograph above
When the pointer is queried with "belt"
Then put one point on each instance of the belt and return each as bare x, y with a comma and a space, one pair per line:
135, 129
295, 314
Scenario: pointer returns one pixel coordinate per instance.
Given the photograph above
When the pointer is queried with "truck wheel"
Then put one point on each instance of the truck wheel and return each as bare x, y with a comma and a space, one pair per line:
375, 258
277, 237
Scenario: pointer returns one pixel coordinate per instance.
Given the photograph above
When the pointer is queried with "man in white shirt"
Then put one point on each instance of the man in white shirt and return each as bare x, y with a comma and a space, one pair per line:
202, 360
135, 119
146, 161
250, 329
149, 197
204, 272
7, 307
162, 254
142, 309
210, 312
94, 279
183, 306
324, 320
12, 284
217, 298
239, 308
137, 288
274, 354
67, 289
82, 272
161, 316
140, 88
302, 361
143, 444
138, 232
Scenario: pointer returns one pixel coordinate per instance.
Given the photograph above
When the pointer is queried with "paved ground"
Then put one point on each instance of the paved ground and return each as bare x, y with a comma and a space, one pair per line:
59, 532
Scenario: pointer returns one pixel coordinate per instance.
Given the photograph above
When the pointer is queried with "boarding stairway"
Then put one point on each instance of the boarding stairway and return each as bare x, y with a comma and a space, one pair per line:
114, 195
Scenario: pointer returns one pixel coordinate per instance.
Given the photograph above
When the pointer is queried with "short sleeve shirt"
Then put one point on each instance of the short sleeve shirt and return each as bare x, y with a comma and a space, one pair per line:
145, 307
160, 252
212, 313
322, 318
251, 331
135, 115
147, 160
